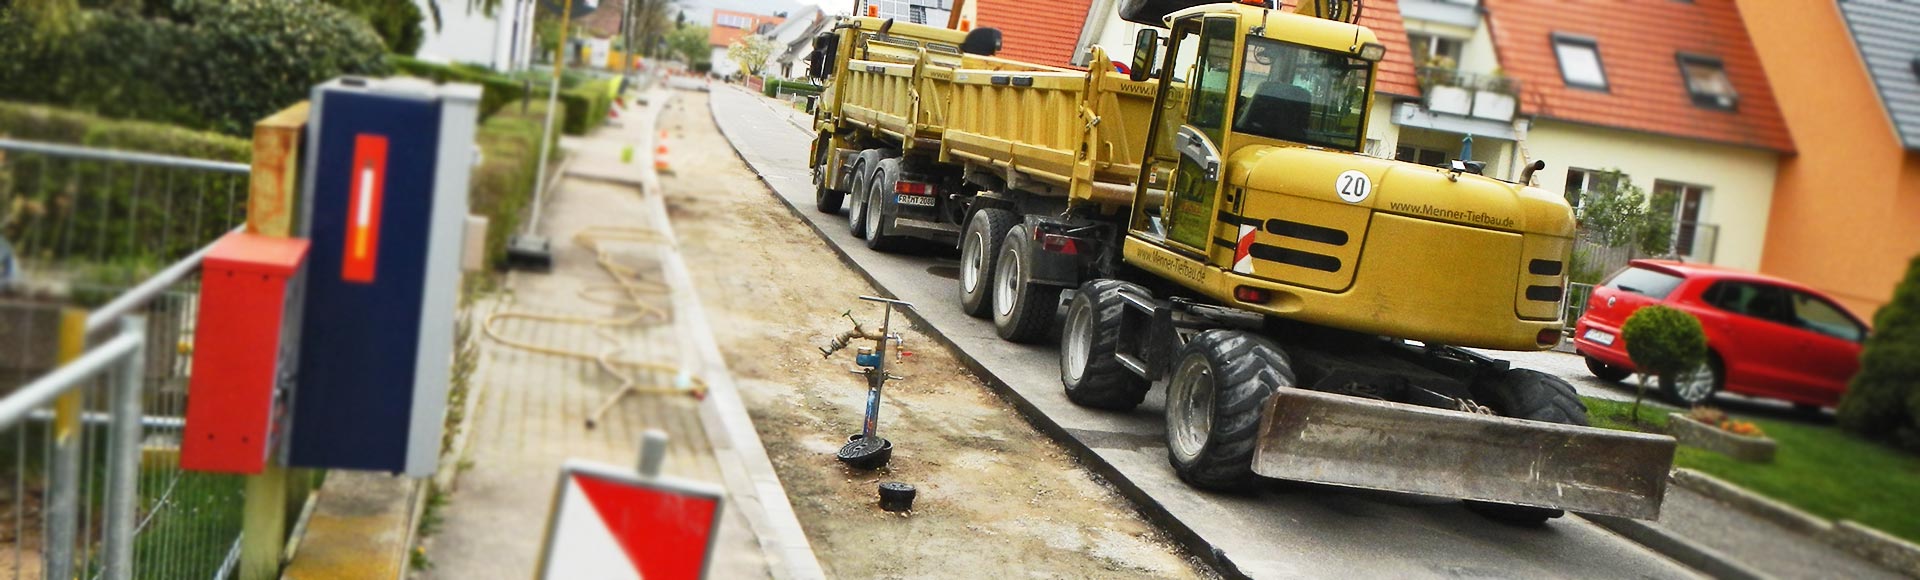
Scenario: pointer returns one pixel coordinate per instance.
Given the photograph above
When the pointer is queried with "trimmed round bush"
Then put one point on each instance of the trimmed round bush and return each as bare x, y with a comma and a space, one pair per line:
1662, 340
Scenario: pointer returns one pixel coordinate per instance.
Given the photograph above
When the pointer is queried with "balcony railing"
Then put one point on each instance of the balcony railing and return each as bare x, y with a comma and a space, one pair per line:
1469, 95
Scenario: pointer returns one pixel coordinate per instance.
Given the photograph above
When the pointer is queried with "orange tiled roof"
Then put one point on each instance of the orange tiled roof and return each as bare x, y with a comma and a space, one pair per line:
1396, 70
1035, 31
1639, 41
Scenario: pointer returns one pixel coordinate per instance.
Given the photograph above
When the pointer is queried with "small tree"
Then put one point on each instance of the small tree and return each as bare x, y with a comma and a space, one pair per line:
1663, 342
690, 43
1883, 402
750, 52
1618, 214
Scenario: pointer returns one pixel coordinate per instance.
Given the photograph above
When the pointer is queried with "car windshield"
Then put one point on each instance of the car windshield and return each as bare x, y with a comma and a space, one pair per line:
1305, 95
1643, 281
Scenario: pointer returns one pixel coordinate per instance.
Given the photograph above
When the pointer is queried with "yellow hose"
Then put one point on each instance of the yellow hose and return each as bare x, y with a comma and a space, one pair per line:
630, 290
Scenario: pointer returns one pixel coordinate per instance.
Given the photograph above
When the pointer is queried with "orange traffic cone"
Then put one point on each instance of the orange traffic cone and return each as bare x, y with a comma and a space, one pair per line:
660, 155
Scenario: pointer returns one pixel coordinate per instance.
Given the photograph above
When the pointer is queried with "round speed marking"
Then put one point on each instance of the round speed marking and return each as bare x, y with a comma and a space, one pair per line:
1353, 186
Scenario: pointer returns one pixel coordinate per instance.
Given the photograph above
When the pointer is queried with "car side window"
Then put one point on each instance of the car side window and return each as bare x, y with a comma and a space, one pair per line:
1755, 300
1823, 317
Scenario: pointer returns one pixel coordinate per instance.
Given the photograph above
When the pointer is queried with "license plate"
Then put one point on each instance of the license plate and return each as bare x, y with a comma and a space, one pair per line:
1599, 336
919, 200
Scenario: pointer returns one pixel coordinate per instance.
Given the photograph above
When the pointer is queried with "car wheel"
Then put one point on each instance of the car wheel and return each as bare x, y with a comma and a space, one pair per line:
1607, 372
1694, 386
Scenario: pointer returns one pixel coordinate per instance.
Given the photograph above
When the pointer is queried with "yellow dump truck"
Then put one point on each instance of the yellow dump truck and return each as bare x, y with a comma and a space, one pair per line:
1213, 218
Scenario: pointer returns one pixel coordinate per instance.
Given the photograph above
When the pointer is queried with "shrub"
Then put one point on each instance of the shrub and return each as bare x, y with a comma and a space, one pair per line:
587, 105
398, 23
496, 90
111, 212
1883, 402
212, 64
1662, 341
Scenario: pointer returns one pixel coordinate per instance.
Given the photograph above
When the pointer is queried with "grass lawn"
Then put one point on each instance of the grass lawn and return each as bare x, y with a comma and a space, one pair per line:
1817, 468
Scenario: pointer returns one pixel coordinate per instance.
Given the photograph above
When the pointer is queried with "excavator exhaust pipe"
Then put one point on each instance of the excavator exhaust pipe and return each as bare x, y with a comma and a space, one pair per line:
1365, 443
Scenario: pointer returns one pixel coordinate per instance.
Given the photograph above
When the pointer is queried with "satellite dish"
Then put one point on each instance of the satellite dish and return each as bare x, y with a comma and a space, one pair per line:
580, 7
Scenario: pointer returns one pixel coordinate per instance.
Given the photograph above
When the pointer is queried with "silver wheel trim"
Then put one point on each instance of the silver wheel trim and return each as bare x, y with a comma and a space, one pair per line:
1190, 408
971, 255
873, 210
859, 207
1079, 339
1696, 385
1006, 277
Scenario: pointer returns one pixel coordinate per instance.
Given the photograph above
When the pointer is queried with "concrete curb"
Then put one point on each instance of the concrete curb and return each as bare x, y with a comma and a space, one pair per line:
1678, 547
748, 473
1875, 546
1143, 502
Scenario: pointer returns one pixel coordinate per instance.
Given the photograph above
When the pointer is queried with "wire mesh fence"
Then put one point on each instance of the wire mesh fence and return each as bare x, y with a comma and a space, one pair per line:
118, 234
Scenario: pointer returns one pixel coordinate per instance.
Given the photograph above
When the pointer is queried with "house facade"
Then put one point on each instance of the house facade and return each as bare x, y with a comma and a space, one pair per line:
928, 12
731, 25
1669, 93
502, 42
1846, 206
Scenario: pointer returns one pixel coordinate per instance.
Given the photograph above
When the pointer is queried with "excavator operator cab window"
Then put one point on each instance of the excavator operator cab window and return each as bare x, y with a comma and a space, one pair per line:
1304, 95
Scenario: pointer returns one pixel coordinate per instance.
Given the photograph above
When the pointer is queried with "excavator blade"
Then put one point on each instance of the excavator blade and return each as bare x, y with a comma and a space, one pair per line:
1358, 442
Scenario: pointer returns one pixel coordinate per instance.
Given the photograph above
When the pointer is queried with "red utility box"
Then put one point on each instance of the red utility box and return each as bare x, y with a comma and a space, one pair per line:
242, 339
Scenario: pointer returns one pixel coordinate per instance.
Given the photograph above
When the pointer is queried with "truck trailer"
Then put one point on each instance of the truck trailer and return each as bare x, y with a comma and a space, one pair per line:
1216, 226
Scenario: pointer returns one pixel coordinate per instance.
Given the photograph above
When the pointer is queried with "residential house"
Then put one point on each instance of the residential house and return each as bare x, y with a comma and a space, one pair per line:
790, 59
502, 41
929, 12
1670, 93
1846, 206
731, 25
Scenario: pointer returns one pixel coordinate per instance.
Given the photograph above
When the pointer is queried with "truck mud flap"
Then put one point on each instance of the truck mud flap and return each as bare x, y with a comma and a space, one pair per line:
1366, 443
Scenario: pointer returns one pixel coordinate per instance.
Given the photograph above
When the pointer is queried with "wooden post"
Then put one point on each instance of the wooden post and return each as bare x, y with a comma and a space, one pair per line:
272, 197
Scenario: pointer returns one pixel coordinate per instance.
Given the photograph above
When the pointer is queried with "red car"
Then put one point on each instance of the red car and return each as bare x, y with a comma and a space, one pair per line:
1766, 337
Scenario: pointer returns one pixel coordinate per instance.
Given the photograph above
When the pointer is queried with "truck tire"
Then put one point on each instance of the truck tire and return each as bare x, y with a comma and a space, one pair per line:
1089, 370
979, 247
1534, 396
879, 200
825, 200
865, 167
1220, 383
1022, 310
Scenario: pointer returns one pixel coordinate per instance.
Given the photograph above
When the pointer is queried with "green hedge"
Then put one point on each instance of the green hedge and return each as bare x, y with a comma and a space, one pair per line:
496, 90
587, 105
117, 213
1883, 402
503, 183
775, 87
212, 64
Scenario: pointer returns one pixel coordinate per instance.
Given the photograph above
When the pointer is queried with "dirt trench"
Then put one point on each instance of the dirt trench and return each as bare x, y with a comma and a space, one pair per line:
996, 498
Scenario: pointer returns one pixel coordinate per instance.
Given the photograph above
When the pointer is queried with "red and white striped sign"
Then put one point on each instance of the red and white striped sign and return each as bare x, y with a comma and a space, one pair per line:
611, 524
1243, 250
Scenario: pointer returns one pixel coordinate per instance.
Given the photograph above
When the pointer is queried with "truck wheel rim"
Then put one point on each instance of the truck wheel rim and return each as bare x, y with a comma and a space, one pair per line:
1190, 408
1079, 340
858, 211
1696, 385
1006, 281
873, 212
972, 259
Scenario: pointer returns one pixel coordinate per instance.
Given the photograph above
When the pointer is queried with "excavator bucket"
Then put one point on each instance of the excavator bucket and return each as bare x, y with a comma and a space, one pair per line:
1358, 442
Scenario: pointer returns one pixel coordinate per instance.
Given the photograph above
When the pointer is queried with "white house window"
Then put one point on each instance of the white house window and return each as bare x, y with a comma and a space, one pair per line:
1580, 62
1579, 183
1420, 155
1434, 51
1691, 238
732, 21
1707, 83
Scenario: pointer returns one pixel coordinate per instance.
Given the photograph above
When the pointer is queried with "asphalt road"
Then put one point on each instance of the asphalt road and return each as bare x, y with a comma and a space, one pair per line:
1285, 531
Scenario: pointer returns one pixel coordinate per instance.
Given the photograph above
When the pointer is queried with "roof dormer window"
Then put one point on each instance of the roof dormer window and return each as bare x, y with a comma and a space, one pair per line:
1580, 62
1706, 79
